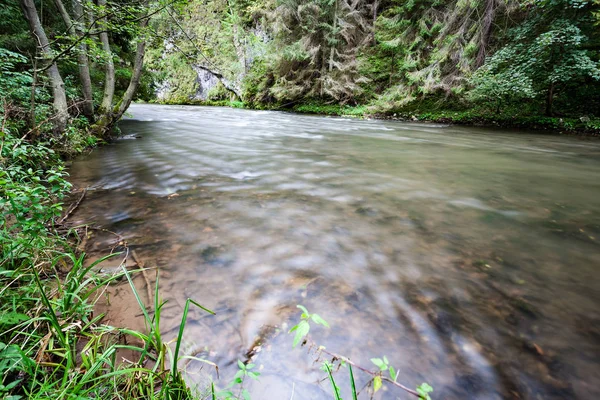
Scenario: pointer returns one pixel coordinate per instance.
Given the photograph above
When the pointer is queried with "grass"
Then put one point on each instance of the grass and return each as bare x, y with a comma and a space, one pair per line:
58, 349
51, 343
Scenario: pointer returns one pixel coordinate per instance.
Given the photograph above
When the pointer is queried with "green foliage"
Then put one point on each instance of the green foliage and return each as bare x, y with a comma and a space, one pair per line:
14, 84
424, 389
319, 56
32, 179
330, 109
545, 54
383, 364
303, 327
497, 83
244, 371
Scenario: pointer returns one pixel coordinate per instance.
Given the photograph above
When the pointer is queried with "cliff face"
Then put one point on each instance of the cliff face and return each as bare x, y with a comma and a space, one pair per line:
206, 81
534, 57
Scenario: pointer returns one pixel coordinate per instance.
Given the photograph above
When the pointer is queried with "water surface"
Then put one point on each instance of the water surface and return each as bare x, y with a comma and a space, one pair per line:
468, 256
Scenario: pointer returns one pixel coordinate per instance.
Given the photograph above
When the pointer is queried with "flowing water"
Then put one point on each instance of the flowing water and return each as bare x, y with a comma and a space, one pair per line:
468, 256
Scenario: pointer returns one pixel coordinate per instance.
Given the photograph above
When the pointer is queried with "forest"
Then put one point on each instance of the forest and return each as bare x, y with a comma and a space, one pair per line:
71, 69
523, 62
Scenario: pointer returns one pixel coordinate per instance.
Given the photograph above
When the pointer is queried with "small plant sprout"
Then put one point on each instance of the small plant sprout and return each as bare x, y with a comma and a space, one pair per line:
384, 365
424, 389
244, 370
303, 327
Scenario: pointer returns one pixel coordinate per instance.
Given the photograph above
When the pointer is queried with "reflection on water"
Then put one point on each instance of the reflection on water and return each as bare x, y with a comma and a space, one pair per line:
468, 257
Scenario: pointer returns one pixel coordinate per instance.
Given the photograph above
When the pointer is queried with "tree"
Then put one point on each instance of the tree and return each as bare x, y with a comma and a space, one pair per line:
319, 42
49, 64
75, 29
84, 24
544, 54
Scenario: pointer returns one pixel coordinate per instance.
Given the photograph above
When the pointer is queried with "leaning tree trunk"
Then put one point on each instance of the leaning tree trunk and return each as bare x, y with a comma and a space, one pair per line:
111, 116
135, 75
74, 30
59, 95
84, 65
109, 68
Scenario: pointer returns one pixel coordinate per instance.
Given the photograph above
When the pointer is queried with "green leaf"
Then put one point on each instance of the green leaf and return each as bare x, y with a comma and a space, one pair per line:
377, 383
241, 365
318, 320
246, 394
254, 375
238, 374
12, 318
379, 363
393, 373
305, 314
424, 389
301, 331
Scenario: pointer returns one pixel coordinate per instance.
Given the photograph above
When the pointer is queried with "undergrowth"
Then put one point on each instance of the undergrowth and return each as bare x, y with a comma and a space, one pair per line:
51, 343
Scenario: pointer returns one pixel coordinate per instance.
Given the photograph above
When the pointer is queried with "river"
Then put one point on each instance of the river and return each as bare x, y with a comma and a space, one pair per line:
468, 256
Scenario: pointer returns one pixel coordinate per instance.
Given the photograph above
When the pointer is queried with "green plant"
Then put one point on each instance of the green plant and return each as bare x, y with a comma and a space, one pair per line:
303, 327
244, 370
377, 378
424, 389
384, 365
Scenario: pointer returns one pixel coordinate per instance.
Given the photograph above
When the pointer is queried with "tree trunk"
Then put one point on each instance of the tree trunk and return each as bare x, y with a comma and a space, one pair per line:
486, 31
82, 59
59, 95
109, 68
550, 100
136, 74
83, 63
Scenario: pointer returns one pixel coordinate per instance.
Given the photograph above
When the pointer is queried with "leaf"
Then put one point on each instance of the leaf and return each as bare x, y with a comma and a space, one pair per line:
393, 373
377, 383
301, 331
385, 360
225, 393
424, 389
246, 394
379, 363
12, 318
238, 374
305, 313
241, 365
318, 320
254, 375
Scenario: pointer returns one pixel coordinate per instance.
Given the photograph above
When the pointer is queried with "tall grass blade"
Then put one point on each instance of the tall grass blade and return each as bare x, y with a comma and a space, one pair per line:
352, 383
186, 308
336, 390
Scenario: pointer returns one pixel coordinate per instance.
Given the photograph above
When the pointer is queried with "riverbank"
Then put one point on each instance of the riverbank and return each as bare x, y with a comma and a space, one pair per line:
53, 343
430, 111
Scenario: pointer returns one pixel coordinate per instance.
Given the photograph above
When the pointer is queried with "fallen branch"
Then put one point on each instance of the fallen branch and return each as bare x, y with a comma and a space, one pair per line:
140, 264
72, 208
322, 349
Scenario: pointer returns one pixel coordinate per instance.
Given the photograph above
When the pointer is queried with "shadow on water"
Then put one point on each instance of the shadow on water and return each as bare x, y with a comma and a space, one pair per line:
468, 258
